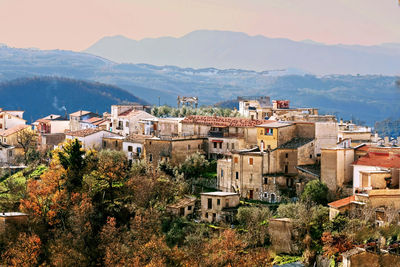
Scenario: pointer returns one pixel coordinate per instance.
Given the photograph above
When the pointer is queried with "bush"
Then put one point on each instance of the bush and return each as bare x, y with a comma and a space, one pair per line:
315, 191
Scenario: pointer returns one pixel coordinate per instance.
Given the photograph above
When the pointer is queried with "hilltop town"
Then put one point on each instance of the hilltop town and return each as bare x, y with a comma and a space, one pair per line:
262, 185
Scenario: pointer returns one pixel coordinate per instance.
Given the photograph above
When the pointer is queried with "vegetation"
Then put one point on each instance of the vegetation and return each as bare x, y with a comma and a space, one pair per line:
315, 191
167, 111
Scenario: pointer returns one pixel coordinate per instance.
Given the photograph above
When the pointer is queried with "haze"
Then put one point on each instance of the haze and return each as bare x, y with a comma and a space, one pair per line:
77, 24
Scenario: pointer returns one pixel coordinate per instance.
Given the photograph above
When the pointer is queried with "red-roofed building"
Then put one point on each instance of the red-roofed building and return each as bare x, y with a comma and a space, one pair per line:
126, 119
378, 169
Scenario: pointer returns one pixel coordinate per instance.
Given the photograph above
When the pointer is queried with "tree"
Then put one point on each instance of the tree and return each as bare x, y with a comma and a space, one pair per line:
255, 221
27, 140
73, 161
24, 251
316, 191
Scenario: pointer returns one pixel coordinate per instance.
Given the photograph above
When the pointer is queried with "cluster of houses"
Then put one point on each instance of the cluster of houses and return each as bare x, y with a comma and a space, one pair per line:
267, 154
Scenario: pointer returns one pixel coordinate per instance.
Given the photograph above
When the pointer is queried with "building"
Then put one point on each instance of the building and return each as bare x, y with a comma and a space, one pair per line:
77, 117
90, 138
12, 219
183, 207
51, 124
219, 206
126, 119
10, 119
113, 142
94, 122
262, 175
360, 257
358, 134
10, 136
133, 147
224, 134
6, 154
174, 150
336, 168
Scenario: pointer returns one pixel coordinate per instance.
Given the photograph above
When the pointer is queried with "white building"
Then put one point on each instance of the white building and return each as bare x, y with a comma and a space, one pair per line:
90, 138
11, 118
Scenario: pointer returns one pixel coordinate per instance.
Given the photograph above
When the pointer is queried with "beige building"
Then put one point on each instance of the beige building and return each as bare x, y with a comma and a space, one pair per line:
219, 206
183, 207
256, 174
174, 150
10, 119
79, 116
336, 168
128, 119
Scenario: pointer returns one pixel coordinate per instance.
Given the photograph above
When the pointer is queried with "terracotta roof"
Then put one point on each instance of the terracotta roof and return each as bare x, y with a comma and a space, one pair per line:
387, 160
83, 133
97, 123
363, 147
342, 202
93, 120
223, 121
13, 130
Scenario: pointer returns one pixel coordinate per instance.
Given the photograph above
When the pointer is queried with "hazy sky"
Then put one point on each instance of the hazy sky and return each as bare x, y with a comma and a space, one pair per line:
77, 24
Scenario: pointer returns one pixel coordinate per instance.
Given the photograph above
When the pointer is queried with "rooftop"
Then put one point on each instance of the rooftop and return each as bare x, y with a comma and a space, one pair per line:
223, 121
295, 143
384, 159
275, 124
80, 113
222, 194
136, 138
14, 130
83, 133
342, 202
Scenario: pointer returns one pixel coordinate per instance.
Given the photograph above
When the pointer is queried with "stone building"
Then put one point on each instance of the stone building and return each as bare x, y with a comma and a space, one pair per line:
219, 206
174, 150
183, 207
113, 142
336, 169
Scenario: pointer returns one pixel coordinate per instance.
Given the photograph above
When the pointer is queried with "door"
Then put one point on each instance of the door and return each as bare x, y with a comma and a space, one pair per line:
251, 194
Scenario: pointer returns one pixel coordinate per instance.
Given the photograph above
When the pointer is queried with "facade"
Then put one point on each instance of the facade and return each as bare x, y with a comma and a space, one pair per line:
77, 117
10, 136
173, 150
51, 124
336, 169
90, 138
113, 142
218, 206
126, 119
184, 207
261, 175
6, 154
10, 119
133, 147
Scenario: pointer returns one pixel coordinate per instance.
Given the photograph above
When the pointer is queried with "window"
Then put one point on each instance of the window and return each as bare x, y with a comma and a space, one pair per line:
215, 144
188, 147
265, 195
273, 198
286, 168
269, 131
237, 175
209, 203
222, 173
310, 156
10, 153
236, 160
251, 177
139, 150
265, 180
127, 124
206, 214
287, 155
251, 161
233, 146
220, 145
227, 146
189, 207
218, 201
116, 144
1, 126
151, 157
198, 146
227, 203
104, 144
130, 148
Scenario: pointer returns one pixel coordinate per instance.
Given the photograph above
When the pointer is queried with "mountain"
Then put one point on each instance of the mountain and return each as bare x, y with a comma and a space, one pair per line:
368, 98
224, 49
41, 96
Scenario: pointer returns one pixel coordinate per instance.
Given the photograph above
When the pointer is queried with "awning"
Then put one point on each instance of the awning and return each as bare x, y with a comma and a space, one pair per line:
216, 141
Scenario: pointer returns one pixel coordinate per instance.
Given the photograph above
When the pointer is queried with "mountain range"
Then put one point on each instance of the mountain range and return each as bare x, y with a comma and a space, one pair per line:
225, 49
41, 96
368, 98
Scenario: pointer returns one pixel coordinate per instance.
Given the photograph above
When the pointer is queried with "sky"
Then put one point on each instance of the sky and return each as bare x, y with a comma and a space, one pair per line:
77, 24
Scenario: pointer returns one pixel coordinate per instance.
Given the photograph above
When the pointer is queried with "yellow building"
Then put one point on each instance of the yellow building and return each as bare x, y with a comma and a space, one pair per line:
271, 135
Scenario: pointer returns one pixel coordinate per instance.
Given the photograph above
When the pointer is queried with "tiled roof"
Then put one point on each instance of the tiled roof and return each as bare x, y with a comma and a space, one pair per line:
13, 130
93, 120
386, 160
136, 138
295, 143
83, 133
342, 202
223, 121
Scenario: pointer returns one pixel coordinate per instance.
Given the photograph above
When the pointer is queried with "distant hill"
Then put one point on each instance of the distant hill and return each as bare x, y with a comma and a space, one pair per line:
41, 96
367, 98
225, 49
